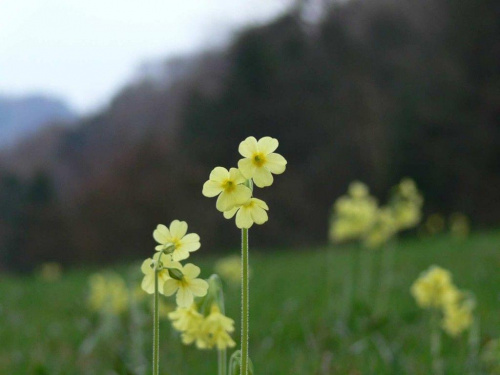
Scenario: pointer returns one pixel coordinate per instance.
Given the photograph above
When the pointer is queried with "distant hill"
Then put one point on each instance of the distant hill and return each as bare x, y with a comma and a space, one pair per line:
21, 117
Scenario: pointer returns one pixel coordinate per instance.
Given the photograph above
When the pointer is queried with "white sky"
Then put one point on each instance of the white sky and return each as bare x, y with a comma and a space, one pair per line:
84, 50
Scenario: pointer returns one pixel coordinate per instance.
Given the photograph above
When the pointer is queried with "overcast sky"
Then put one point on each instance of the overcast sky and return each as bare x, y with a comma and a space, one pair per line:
84, 50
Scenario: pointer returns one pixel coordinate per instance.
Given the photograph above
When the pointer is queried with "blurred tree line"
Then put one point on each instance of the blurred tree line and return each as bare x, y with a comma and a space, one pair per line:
371, 90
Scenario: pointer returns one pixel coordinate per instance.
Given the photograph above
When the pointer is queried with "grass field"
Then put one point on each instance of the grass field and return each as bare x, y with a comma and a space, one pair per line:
301, 320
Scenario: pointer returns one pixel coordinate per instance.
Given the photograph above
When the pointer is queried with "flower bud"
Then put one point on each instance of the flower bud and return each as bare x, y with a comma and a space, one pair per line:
235, 364
175, 273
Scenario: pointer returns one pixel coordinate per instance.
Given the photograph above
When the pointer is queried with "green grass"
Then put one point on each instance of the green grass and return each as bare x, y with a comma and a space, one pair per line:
298, 318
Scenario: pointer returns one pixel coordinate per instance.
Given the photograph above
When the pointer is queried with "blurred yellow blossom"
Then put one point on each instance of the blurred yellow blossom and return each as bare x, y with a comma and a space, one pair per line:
108, 293
228, 185
459, 225
406, 203
253, 211
186, 286
434, 288
260, 160
206, 332
457, 317
176, 235
229, 268
216, 328
50, 271
490, 357
354, 214
382, 230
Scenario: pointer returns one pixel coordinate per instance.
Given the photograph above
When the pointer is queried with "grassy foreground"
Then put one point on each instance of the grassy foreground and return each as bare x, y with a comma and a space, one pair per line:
301, 320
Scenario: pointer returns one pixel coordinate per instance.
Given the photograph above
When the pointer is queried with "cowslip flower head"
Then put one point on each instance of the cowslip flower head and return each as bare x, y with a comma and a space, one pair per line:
457, 317
186, 286
148, 269
228, 185
253, 211
108, 294
188, 321
176, 235
434, 288
260, 161
217, 327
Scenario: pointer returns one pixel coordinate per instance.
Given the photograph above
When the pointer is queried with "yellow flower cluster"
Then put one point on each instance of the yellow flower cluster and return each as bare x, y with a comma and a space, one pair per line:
406, 203
173, 277
435, 289
207, 332
354, 213
108, 294
358, 216
234, 187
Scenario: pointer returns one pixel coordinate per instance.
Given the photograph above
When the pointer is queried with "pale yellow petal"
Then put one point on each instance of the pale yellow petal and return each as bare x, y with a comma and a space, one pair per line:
262, 177
248, 147
198, 287
226, 201
236, 176
148, 284
267, 145
259, 215
184, 297
244, 218
260, 203
178, 229
229, 214
191, 238
219, 174
161, 234
275, 163
146, 266
179, 254
211, 188
170, 287
247, 167
191, 271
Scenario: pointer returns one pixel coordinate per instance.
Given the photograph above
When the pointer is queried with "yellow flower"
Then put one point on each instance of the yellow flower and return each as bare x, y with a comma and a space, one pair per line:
406, 203
229, 268
434, 288
217, 328
50, 271
354, 214
108, 293
253, 211
147, 268
457, 317
382, 230
188, 321
228, 186
260, 160
176, 235
187, 286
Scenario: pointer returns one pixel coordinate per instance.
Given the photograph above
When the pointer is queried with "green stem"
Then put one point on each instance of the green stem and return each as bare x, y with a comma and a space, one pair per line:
244, 301
156, 328
473, 346
437, 361
222, 362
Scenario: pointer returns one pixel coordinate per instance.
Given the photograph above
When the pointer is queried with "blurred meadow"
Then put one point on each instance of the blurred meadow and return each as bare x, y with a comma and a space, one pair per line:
382, 249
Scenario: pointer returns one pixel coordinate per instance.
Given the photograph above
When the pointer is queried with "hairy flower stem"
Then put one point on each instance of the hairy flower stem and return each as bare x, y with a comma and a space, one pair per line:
156, 327
437, 361
244, 302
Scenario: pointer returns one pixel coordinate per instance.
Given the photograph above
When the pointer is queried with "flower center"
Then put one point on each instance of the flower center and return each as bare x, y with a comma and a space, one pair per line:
228, 185
259, 159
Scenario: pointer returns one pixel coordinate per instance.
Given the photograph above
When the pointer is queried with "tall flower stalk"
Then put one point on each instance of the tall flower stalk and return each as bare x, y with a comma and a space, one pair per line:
234, 191
245, 302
